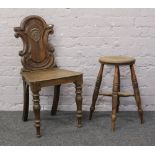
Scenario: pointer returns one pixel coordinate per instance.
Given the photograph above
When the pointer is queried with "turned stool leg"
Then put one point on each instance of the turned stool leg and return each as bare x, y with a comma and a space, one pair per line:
136, 92
78, 98
55, 99
115, 96
36, 108
26, 100
96, 91
118, 102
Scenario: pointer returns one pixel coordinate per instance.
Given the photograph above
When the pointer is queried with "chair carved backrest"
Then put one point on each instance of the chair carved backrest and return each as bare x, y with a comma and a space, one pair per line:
37, 53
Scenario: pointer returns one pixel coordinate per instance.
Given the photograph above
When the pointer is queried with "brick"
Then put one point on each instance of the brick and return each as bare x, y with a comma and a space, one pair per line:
145, 22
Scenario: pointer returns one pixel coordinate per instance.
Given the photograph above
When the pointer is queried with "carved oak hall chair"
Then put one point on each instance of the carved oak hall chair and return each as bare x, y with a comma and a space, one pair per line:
39, 69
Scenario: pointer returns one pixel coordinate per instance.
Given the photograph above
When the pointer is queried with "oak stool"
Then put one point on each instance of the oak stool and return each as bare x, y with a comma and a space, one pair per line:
116, 93
39, 68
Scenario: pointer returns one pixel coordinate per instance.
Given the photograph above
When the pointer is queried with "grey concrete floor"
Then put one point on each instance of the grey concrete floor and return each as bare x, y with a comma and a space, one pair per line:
61, 129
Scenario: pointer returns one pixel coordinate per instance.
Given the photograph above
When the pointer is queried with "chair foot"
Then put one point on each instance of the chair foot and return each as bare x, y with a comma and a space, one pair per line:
25, 119
53, 113
36, 109
79, 125
38, 135
79, 119
92, 109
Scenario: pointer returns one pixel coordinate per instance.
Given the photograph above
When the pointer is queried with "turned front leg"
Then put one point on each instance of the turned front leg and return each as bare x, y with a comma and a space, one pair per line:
96, 91
136, 92
115, 96
36, 108
78, 98
26, 100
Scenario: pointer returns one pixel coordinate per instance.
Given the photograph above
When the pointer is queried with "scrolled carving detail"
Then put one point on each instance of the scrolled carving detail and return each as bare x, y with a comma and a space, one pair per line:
20, 33
36, 53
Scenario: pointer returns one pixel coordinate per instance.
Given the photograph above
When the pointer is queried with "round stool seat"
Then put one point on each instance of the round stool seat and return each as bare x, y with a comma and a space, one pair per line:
117, 60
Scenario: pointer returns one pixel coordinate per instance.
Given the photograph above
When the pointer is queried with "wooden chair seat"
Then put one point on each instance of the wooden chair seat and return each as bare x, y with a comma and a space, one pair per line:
117, 60
55, 76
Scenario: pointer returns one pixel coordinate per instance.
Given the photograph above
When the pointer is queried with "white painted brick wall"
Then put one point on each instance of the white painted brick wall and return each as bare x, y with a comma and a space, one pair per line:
81, 37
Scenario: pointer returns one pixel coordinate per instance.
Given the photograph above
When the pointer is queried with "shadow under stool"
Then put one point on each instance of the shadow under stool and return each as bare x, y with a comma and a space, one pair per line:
117, 61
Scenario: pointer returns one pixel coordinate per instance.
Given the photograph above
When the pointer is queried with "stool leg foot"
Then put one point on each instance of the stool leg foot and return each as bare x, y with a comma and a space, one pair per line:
114, 110
115, 96
136, 93
96, 91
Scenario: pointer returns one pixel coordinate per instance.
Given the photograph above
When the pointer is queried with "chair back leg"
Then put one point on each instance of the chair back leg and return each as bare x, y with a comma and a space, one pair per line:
26, 101
55, 99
